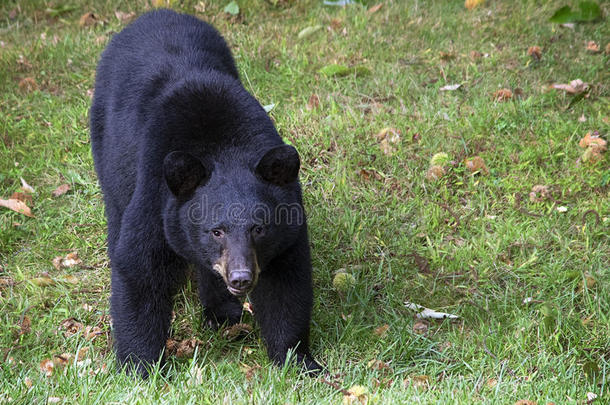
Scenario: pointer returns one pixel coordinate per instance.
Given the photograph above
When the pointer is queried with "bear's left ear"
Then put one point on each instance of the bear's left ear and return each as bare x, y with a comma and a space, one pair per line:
279, 165
183, 173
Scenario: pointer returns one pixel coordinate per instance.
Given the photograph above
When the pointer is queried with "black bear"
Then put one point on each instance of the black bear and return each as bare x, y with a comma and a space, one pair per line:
194, 173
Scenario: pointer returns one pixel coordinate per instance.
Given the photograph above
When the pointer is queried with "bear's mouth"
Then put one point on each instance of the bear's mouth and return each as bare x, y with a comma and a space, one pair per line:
238, 292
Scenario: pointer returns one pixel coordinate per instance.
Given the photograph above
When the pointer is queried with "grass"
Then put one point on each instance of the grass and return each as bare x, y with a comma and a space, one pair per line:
469, 244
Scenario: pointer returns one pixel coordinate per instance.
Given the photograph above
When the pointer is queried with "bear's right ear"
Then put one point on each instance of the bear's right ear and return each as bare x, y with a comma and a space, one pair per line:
183, 173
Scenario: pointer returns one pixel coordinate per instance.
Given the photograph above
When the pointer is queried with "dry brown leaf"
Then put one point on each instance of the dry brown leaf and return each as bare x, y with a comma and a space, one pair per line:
417, 381
593, 141
17, 206
184, 348
379, 365
46, 366
491, 383
420, 327
237, 331
576, 86
26, 325
470, 4
336, 24
61, 190
435, 172
28, 84
70, 260
539, 193
44, 281
26, 198
28, 382
249, 371
503, 95
475, 55
367, 174
90, 332
314, 102
388, 137
535, 52
357, 394
525, 402
71, 326
88, 19
80, 356
476, 164
62, 360
375, 8
446, 56
126, 17
382, 330
592, 47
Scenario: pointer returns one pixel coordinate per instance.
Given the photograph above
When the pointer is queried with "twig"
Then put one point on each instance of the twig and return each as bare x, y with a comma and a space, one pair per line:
335, 386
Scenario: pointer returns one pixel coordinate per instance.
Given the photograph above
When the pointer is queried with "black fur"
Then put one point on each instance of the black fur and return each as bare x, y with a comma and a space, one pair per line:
191, 167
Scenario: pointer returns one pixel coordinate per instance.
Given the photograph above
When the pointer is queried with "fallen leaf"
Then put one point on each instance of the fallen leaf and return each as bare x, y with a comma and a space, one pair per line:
592, 47
607, 49
25, 187
71, 326
23, 197
367, 174
503, 95
382, 330
308, 31
71, 279
232, 8
248, 307
184, 348
17, 206
418, 381
470, 4
593, 141
420, 327
62, 360
70, 260
88, 19
450, 87
126, 17
435, 173
576, 86
53, 400
591, 396
91, 332
429, 313
535, 52
539, 193
475, 55
28, 382
196, 377
491, 383
237, 331
26, 325
82, 352
46, 366
378, 365
446, 56
314, 102
44, 281
28, 84
476, 164
200, 7
375, 8
357, 394
388, 137
249, 371
526, 402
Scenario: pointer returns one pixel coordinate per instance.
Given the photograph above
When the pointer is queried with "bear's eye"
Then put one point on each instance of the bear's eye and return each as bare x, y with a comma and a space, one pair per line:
258, 230
218, 233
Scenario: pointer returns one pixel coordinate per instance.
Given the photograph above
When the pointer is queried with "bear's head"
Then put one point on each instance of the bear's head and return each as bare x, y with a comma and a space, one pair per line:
230, 218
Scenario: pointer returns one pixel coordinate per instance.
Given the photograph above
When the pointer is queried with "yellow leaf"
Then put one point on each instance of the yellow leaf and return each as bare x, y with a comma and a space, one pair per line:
470, 4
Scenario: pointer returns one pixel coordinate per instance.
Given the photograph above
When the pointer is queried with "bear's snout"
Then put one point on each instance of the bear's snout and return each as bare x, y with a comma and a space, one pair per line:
240, 282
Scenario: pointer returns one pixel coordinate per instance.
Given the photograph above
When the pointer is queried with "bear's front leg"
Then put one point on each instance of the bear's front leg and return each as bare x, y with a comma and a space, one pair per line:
219, 306
282, 302
141, 314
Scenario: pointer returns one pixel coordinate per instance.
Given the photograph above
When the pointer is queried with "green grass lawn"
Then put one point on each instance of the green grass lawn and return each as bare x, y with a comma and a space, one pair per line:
530, 280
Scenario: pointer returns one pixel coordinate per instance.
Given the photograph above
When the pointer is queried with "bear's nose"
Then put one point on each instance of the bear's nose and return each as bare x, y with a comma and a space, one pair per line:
240, 279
